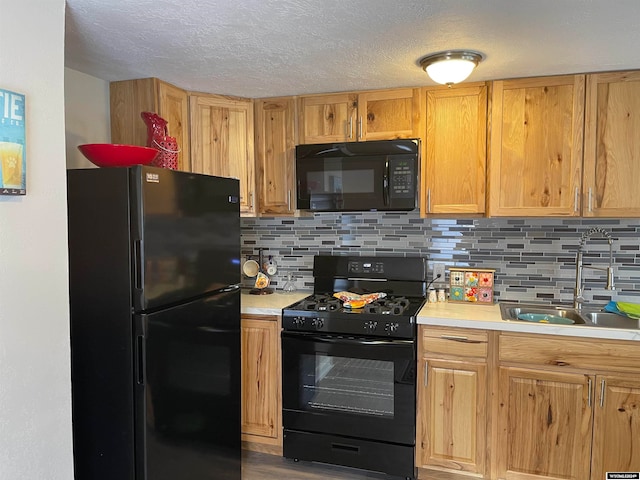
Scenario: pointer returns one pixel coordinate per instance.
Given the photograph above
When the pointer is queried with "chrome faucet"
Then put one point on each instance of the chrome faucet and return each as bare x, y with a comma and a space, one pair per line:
578, 298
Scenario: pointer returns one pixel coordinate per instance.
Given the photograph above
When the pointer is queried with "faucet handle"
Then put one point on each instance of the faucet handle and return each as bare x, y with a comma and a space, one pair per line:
610, 283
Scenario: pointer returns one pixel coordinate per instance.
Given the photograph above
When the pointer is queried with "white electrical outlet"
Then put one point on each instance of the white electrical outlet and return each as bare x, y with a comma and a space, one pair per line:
438, 268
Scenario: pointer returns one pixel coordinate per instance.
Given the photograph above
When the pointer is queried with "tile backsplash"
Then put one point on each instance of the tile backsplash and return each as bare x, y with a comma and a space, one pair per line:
534, 258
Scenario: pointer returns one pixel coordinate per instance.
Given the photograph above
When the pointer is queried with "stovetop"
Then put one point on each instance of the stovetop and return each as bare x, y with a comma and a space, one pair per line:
401, 282
389, 305
392, 316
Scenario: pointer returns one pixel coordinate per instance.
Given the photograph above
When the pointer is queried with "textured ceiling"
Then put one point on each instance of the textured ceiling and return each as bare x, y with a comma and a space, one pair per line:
263, 48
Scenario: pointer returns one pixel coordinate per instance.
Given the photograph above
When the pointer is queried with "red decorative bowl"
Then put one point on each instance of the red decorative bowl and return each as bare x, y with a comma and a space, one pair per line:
114, 155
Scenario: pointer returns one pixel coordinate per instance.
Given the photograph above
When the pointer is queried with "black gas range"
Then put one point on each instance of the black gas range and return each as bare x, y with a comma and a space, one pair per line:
392, 316
402, 281
349, 374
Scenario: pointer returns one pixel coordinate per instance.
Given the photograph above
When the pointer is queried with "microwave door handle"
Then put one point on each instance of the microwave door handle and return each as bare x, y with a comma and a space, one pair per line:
385, 183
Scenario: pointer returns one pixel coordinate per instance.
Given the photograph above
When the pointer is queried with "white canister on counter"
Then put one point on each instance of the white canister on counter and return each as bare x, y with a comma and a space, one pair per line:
433, 298
442, 296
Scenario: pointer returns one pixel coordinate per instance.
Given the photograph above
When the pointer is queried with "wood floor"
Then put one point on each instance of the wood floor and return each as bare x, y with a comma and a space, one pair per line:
262, 466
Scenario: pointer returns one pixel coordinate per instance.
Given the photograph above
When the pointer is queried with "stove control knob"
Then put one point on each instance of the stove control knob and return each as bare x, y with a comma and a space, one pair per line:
298, 322
391, 328
317, 323
370, 326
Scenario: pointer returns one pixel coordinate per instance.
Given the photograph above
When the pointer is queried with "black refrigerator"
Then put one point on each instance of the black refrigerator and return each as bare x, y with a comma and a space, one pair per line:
154, 268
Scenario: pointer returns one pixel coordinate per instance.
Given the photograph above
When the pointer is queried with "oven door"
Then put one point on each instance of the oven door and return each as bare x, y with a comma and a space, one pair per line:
356, 387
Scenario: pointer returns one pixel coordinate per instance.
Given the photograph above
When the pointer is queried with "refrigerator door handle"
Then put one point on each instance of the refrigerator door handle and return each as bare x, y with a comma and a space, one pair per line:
230, 288
140, 356
137, 264
213, 295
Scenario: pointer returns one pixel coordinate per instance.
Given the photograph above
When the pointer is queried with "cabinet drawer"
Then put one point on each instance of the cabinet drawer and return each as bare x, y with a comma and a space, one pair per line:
454, 341
570, 352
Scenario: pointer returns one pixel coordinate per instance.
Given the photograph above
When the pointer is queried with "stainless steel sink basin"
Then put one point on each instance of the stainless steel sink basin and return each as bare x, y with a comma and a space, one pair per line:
587, 317
610, 320
512, 311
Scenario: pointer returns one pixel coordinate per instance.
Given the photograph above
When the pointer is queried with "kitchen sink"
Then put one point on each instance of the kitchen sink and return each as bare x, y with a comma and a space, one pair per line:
610, 320
592, 318
539, 313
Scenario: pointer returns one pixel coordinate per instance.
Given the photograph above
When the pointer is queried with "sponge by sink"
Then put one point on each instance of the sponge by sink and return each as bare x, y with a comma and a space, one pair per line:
631, 310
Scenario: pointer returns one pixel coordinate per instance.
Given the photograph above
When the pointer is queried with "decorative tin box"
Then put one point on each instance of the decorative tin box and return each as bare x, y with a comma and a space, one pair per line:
471, 285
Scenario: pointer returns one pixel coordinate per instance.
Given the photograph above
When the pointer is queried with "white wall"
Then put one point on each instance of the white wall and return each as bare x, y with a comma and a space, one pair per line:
86, 114
35, 384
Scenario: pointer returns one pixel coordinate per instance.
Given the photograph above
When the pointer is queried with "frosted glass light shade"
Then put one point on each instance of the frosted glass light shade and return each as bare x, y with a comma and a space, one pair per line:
452, 67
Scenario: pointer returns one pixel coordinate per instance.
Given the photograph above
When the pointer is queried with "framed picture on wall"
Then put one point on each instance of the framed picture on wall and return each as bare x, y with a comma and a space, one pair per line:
13, 151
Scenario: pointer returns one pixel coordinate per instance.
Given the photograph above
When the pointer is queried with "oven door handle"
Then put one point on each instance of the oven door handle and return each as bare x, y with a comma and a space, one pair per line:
312, 337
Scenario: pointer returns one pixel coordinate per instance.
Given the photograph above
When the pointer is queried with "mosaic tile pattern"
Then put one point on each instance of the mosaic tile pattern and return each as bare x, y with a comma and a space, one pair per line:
534, 259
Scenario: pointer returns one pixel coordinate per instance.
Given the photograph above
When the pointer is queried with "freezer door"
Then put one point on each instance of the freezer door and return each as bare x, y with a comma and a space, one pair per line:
188, 390
185, 235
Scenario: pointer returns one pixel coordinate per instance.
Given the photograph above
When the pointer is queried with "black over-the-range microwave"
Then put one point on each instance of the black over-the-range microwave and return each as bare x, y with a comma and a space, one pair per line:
358, 176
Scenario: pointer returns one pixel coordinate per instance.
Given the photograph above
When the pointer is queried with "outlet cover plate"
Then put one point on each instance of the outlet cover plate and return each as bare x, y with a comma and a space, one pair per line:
438, 268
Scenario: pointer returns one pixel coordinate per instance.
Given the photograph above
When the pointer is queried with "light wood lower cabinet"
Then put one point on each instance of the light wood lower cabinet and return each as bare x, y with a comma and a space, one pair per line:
568, 408
616, 439
452, 400
545, 424
261, 384
512, 406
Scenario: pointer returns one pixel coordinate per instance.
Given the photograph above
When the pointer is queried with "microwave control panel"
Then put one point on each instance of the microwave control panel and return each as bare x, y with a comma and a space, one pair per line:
403, 174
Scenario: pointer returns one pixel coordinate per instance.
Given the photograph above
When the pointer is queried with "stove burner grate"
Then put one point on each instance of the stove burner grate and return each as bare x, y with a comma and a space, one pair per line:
388, 306
321, 303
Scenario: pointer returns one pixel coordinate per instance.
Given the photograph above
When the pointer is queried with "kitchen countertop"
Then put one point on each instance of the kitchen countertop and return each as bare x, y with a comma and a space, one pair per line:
449, 314
488, 317
269, 304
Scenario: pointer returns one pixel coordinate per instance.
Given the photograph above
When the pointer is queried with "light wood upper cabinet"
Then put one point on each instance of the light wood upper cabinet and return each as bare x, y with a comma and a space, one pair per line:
359, 116
545, 424
612, 145
328, 118
222, 142
616, 426
261, 386
454, 154
452, 400
536, 146
389, 114
129, 98
275, 155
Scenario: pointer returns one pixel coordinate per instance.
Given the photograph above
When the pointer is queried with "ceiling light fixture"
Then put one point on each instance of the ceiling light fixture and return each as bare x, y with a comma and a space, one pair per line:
452, 66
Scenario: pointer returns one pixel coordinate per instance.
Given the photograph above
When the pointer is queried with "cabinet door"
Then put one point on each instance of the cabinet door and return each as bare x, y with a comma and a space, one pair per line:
261, 393
616, 429
454, 154
222, 142
612, 145
452, 402
388, 114
536, 146
173, 106
328, 118
128, 98
275, 152
544, 424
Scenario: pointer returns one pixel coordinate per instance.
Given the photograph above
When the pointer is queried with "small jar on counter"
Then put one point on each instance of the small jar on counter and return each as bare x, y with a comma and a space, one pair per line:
432, 297
442, 295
